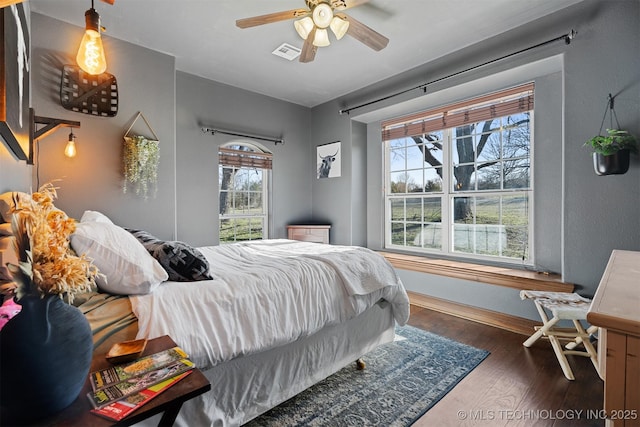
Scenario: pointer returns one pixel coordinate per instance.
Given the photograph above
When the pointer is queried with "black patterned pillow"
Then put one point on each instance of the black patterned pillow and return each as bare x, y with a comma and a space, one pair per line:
182, 262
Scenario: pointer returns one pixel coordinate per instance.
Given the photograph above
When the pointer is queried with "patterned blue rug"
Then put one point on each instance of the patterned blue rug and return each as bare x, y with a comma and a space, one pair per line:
401, 382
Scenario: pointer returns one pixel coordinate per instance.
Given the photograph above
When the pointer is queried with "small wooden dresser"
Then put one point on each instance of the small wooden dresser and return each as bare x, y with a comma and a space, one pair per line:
616, 310
318, 233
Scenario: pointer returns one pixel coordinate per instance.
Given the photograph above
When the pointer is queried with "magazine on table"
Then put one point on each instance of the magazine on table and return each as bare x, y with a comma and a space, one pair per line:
120, 409
114, 392
106, 377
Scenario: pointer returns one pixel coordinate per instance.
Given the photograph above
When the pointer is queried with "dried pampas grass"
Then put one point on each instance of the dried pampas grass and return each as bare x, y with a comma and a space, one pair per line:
47, 265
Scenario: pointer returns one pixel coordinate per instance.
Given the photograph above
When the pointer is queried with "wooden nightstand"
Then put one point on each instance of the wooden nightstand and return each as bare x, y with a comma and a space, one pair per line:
309, 233
170, 401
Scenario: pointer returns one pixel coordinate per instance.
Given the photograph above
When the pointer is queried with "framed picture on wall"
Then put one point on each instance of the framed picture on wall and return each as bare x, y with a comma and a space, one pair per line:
14, 79
329, 160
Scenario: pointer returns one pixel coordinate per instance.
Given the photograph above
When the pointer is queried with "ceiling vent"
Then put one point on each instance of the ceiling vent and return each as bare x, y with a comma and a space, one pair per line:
286, 51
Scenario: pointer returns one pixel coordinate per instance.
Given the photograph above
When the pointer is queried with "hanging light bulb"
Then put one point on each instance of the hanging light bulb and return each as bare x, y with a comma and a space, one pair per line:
91, 52
304, 26
70, 149
339, 27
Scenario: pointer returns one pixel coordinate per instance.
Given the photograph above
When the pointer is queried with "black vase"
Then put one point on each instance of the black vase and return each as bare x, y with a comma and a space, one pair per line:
45, 356
613, 164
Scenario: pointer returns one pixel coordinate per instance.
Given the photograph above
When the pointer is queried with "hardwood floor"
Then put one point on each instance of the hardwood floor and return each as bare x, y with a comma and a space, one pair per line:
514, 385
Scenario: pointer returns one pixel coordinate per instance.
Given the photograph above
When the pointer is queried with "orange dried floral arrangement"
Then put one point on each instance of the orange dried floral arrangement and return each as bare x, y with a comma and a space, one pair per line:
47, 264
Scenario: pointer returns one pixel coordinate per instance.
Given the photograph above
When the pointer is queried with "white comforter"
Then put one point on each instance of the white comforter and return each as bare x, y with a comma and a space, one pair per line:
265, 294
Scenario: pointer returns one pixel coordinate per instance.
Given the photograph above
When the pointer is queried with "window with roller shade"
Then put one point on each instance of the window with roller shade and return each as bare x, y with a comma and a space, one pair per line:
458, 178
243, 192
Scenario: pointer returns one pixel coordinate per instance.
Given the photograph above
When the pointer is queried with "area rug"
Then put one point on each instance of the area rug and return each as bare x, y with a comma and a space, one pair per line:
402, 380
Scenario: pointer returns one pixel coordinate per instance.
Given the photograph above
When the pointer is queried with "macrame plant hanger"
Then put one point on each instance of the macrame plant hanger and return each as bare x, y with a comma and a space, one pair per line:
612, 115
611, 155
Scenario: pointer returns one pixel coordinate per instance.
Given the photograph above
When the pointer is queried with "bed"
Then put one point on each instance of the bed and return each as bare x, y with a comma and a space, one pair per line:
266, 320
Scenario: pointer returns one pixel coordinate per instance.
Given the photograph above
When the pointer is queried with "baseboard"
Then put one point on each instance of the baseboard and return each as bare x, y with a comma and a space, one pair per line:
496, 319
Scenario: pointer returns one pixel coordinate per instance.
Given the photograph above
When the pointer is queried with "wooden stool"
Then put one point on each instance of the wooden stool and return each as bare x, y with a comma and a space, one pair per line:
563, 306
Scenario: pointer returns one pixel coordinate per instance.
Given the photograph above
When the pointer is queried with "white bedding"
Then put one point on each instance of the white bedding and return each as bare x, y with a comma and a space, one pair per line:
265, 294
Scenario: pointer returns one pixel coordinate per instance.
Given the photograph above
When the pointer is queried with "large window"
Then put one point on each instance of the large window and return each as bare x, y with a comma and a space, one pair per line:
458, 178
243, 174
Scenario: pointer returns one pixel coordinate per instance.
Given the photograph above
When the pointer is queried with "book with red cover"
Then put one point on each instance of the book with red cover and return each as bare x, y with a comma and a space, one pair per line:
120, 409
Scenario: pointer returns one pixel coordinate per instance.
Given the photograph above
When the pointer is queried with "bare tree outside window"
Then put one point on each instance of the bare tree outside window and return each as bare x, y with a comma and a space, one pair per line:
490, 156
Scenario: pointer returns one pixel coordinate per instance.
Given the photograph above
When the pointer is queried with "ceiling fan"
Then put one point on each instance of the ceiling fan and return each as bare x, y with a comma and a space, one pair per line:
315, 19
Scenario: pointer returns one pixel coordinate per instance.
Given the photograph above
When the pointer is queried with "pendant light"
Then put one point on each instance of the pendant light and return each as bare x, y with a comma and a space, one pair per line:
70, 149
91, 52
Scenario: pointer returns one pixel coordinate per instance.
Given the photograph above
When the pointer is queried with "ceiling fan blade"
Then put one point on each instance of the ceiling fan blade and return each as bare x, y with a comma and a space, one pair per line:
366, 35
272, 17
308, 48
347, 4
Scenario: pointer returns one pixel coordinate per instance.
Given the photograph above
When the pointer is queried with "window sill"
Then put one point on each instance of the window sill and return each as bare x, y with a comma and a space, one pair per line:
501, 276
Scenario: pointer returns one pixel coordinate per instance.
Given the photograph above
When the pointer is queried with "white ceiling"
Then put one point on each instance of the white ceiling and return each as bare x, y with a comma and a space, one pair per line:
202, 36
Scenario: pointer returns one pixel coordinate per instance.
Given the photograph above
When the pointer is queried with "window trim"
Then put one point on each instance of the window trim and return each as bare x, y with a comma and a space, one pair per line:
447, 194
259, 158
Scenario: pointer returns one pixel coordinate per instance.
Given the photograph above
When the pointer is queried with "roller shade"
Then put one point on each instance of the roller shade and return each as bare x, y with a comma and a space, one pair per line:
248, 159
498, 104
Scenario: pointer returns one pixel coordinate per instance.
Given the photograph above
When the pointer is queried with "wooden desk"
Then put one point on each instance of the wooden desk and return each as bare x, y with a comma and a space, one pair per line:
170, 401
616, 310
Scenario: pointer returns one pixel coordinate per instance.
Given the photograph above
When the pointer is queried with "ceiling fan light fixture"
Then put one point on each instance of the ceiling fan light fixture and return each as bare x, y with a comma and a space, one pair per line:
322, 15
339, 27
321, 38
303, 27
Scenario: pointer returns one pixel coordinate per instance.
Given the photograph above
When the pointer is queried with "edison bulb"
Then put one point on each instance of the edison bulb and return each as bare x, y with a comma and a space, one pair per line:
91, 53
70, 149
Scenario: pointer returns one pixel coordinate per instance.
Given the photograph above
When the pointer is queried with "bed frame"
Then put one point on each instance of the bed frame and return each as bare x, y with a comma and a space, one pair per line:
264, 380
249, 385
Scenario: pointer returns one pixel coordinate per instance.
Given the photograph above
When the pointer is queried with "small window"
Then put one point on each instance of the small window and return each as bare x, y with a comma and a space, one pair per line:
243, 177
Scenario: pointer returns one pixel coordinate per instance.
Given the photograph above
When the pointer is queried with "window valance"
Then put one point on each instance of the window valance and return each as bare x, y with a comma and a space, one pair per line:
242, 158
498, 104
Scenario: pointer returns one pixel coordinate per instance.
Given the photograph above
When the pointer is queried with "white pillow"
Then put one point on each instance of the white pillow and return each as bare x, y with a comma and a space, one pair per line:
128, 267
95, 216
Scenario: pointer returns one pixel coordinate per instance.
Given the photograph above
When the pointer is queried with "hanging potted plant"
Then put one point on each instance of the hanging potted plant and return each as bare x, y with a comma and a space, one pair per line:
46, 349
611, 152
141, 156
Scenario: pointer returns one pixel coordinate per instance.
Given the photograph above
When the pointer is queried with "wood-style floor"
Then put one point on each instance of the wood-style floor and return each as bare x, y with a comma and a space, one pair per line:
514, 385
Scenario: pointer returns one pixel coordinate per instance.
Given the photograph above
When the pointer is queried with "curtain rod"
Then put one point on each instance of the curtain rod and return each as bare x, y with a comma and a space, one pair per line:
566, 37
242, 135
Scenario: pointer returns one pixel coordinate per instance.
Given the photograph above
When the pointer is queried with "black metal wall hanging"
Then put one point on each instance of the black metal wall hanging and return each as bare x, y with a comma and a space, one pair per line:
89, 94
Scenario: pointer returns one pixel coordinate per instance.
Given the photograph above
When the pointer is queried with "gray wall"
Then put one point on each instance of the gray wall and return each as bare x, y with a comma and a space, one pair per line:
201, 103
177, 106
93, 179
600, 213
14, 174
581, 217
